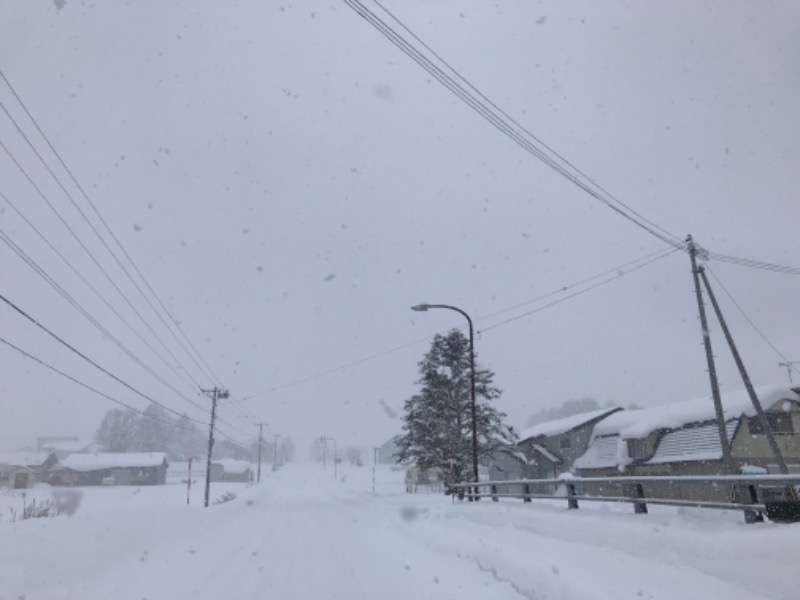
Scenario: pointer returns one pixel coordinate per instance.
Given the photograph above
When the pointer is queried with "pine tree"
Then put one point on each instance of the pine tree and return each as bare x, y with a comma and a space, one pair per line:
438, 420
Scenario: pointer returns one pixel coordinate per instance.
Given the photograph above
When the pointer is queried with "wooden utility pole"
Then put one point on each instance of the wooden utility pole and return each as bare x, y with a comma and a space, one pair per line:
216, 394
773, 444
712, 371
260, 437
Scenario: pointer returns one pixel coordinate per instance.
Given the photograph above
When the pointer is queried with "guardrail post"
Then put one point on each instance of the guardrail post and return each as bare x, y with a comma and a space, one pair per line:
527, 493
572, 502
494, 493
640, 507
748, 495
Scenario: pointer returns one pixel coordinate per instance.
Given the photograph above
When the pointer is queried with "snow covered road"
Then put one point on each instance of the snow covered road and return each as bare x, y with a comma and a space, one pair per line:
303, 534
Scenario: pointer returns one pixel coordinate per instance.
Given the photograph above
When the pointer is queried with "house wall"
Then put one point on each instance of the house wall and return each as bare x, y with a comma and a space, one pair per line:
120, 476
541, 467
236, 477
754, 448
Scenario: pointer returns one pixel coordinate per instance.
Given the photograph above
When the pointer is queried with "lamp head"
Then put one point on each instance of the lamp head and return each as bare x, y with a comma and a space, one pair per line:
421, 307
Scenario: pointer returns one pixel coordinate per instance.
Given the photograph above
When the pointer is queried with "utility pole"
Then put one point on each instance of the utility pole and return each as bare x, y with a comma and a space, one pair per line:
216, 394
374, 464
260, 438
776, 451
712, 371
789, 366
324, 440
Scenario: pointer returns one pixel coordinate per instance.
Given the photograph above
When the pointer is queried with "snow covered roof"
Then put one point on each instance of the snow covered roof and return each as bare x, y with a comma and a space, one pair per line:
691, 430
231, 465
639, 423
560, 426
66, 446
24, 459
601, 453
546, 453
119, 460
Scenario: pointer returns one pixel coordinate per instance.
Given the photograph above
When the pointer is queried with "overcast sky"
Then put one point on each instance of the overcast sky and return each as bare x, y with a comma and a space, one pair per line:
290, 183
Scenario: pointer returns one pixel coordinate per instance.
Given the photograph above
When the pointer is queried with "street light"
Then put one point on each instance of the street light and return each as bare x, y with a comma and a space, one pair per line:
425, 307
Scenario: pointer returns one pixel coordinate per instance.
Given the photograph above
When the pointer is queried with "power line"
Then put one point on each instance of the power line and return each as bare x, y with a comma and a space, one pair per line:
787, 362
572, 285
661, 254
510, 128
521, 127
89, 285
42, 273
86, 358
88, 316
580, 292
92, 257
518, 133
756, 264
108, 228
90, 388
110, 251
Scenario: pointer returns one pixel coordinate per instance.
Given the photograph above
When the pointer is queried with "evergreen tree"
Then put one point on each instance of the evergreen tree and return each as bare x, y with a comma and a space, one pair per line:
437, 422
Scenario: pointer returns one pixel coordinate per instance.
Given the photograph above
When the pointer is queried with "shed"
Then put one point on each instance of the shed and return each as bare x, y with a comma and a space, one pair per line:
229, 469
21, 470
123, 468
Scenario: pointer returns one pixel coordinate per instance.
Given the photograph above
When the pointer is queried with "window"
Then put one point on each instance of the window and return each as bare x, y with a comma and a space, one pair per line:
637, 448
779, 422
565, 443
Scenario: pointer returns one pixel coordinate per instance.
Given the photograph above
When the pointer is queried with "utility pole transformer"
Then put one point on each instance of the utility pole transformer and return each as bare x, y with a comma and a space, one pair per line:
215, 394
712, 371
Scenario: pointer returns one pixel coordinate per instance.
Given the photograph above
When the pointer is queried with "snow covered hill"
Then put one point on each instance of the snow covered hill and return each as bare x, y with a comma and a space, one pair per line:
302, 533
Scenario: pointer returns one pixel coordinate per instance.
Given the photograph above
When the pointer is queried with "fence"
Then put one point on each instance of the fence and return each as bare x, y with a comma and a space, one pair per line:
775, 495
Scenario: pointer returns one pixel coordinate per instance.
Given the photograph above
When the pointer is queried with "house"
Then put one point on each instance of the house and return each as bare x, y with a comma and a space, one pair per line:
683, 439
142, 468
552, 447
387, 453
229, 469
21, 470
62, 446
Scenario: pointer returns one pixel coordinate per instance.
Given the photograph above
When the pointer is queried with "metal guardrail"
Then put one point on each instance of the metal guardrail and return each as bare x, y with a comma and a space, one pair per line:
775, 495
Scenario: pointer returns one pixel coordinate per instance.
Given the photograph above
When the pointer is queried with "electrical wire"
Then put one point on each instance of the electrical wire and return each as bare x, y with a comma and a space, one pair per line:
86, 358
506, 126
756, 264
572, 285
92, 257
88, 316
619, 274
618, 270
521, 127
91, 389
208, 369
786, 361
177, 372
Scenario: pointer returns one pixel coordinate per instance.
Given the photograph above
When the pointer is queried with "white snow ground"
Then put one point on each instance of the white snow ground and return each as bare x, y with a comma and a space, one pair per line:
301, 533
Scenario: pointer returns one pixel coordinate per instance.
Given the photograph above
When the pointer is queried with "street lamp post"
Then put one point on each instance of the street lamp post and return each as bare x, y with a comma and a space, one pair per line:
423, 308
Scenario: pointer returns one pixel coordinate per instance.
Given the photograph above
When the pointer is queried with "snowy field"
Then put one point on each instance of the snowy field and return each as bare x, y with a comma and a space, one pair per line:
301, 533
